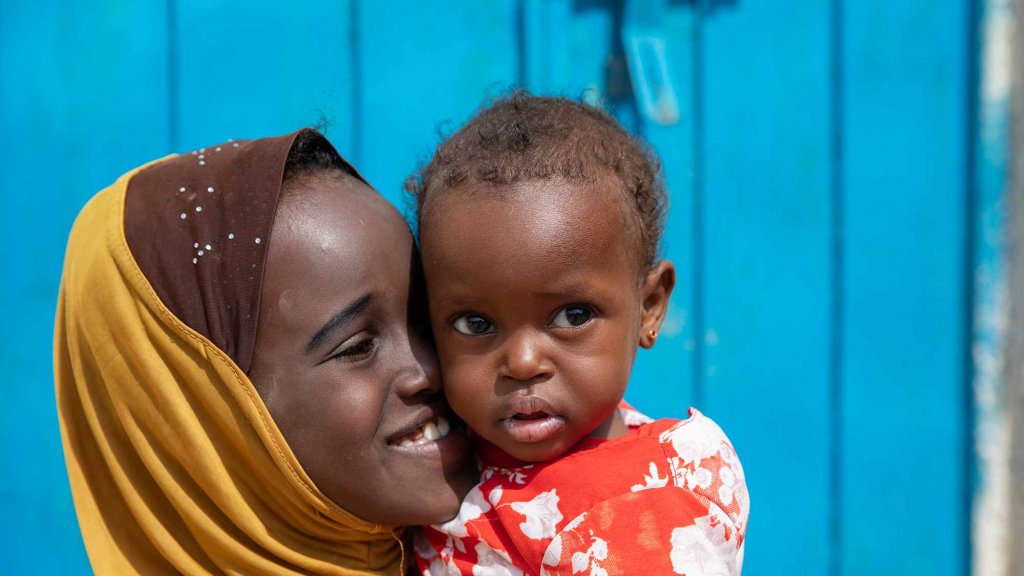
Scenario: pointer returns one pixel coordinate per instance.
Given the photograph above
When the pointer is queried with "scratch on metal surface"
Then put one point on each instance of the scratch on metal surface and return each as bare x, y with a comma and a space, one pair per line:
991, 508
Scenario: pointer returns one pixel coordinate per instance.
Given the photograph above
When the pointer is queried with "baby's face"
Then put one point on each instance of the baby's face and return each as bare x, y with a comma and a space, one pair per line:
535, 306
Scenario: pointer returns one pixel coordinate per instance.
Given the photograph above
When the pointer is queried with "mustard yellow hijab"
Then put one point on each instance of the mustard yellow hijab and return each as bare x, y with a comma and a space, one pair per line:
175, 463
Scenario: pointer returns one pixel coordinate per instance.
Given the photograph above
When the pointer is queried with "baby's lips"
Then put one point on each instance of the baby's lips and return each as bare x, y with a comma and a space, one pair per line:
528, 405
529, 431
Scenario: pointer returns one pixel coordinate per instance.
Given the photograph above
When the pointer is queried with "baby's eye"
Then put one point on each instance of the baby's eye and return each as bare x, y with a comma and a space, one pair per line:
472, 325
572, 317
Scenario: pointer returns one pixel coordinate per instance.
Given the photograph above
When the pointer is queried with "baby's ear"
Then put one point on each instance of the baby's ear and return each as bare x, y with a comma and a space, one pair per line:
655, 290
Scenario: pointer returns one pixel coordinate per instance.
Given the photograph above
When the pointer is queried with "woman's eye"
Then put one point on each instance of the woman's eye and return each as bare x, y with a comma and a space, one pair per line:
472, 325
572, 317
359, 350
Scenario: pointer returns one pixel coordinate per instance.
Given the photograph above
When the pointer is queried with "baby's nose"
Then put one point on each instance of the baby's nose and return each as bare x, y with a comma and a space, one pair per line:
525, 356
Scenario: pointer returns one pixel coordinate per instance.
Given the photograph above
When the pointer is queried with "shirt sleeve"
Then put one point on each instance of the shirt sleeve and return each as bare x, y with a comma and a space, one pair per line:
662, 531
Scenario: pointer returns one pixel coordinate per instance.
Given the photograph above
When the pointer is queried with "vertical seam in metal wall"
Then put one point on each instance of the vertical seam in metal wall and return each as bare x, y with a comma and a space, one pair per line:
356, 85
836, 279
967, 307
521, 44
173, 105
697, 313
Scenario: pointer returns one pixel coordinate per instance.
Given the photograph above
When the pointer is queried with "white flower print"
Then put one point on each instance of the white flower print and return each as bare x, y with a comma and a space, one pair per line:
699, 478
542, 515
553, 555
445, 568
514, 475
653, 480
580, 562
727, 476
725, 495
723, 535
693, 553
437, 567
491, 562
472, 508
486, 473
495, 496
591, 558
679, 471
437, 564
575, 522
695, 439
707, 547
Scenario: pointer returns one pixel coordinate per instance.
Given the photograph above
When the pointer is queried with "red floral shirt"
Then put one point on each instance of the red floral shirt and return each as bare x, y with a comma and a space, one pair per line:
668, 497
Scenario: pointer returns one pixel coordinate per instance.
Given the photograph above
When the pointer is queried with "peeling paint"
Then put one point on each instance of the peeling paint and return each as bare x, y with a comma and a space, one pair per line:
991, 505
998, 47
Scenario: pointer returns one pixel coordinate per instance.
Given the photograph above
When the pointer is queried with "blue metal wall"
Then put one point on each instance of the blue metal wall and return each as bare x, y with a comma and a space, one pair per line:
820, 172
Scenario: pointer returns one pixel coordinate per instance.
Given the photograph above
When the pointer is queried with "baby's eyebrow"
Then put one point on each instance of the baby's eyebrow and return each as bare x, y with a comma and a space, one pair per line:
574, 289
339, 320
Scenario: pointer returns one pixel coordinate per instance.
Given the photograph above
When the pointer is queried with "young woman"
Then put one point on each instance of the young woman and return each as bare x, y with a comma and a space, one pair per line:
242, 383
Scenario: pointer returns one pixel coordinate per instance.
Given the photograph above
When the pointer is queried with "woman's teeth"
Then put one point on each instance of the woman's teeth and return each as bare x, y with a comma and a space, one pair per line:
433, 430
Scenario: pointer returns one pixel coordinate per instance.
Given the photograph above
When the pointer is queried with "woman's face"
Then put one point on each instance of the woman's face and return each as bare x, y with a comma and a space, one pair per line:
343, 365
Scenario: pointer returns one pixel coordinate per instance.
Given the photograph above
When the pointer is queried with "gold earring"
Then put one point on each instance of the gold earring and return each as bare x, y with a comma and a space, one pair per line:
652, 334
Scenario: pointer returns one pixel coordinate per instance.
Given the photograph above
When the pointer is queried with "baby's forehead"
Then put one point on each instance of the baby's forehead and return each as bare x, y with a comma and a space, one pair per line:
569, 197
553, 218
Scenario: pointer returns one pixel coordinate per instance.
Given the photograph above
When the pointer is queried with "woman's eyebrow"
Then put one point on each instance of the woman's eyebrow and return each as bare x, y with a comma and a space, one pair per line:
338, 321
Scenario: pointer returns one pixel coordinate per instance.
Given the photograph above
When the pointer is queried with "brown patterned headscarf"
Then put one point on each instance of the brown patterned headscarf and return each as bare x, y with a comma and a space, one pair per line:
175, 463
198, 226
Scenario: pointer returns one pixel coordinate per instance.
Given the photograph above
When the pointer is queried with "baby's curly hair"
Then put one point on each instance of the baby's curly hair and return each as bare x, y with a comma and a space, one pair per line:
520, 137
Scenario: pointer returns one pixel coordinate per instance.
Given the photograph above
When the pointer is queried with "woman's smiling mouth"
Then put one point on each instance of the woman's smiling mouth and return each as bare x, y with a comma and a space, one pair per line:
430, 431
441, 435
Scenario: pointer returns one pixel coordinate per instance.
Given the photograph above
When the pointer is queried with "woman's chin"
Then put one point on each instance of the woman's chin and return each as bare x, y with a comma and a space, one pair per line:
447, 506
426, 483
460, 478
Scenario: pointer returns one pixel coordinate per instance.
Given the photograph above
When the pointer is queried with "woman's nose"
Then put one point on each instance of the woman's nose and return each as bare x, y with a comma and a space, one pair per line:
524, 357
420, 372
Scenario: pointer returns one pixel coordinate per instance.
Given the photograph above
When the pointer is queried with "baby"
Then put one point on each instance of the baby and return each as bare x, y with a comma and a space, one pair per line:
540, 222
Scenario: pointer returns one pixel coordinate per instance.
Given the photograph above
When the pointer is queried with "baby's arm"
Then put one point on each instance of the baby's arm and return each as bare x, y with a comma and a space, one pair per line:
659, 531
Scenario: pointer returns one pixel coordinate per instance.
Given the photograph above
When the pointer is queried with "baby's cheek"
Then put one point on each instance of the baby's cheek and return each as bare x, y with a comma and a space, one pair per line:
600, 378
600, 364
466, 387
451, 357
